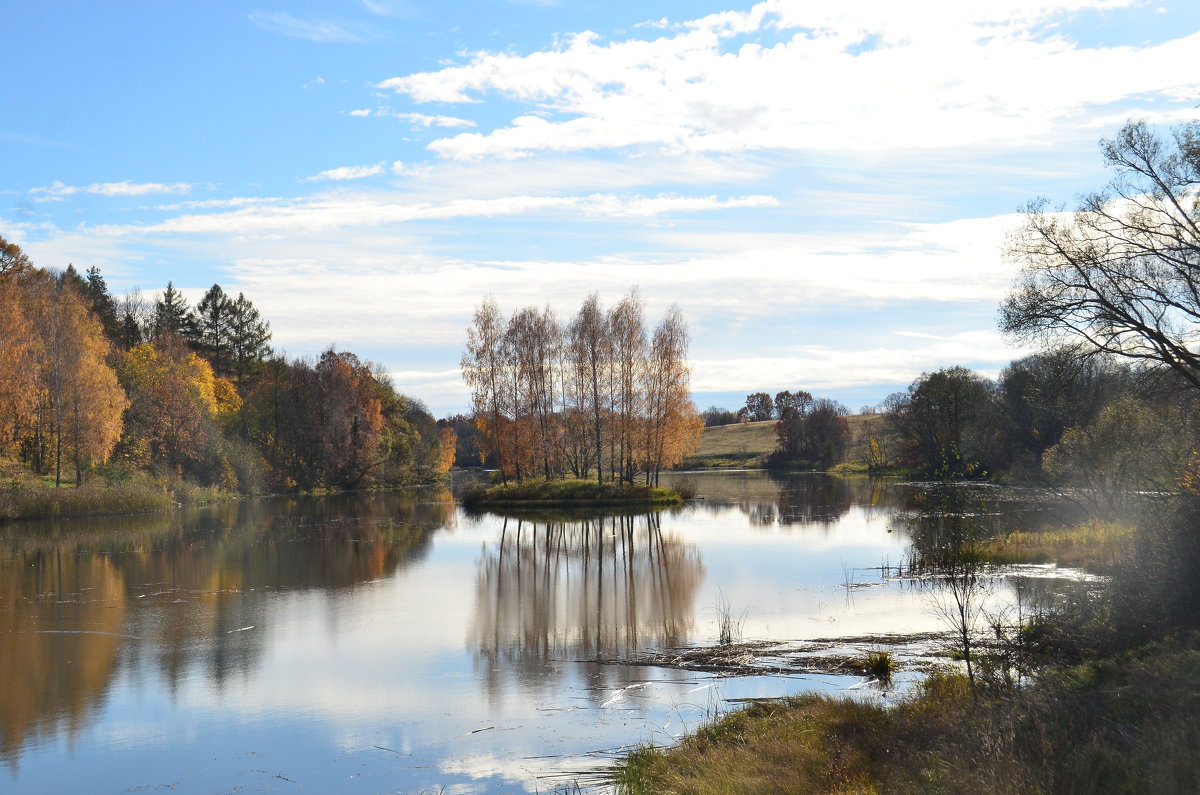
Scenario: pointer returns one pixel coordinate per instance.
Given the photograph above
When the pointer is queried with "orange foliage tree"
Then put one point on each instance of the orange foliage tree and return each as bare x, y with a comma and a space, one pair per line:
79, 401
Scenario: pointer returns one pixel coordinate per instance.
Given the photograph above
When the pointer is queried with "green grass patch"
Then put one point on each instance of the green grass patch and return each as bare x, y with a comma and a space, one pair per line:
1095, 545
567, 493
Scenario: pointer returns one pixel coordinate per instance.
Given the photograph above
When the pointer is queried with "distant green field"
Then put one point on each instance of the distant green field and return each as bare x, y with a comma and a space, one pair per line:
747, 444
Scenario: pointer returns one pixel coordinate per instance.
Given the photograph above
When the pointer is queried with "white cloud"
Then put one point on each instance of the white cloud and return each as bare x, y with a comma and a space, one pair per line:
829, 368
425, 120
57, 190
318, 30
392, 8
865, 75
325, 213
347, 172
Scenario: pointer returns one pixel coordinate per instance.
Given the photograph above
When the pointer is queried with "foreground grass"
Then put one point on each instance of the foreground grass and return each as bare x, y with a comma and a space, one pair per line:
1094, 545
548, 493
1128, 724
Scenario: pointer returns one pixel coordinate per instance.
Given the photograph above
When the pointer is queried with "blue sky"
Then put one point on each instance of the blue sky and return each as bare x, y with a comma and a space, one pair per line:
824, 188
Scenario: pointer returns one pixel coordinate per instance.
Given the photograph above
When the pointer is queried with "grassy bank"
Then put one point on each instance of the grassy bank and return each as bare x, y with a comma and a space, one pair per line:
35, 501
567, 493
1095, 545
1126, 724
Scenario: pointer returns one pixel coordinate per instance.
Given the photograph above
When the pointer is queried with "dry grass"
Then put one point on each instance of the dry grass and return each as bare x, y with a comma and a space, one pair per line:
747, 444
738, 445
1095, 545
1124, 725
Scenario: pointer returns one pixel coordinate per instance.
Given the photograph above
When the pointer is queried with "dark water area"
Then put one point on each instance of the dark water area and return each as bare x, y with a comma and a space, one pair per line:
392, 642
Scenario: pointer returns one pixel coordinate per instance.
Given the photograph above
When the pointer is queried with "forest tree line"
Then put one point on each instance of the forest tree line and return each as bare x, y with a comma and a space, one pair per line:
596, 397
92, 383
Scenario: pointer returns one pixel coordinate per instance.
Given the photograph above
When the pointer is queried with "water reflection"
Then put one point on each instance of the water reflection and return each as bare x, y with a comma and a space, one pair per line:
82, 600
782, 498
62, 623
579, 590
939, 518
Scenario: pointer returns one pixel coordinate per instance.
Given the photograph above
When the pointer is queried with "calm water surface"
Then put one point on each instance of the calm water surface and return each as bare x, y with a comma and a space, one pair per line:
393, 643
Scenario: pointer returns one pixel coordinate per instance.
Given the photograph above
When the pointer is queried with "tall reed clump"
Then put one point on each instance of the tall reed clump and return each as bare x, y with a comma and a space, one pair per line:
729, 626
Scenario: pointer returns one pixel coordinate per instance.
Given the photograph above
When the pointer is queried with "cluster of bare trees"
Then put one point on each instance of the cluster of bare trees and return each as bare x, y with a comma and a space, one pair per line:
594, 397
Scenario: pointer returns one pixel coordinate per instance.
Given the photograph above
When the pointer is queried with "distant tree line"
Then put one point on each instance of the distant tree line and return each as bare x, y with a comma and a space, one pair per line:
88, 380
1111, 292
595, 397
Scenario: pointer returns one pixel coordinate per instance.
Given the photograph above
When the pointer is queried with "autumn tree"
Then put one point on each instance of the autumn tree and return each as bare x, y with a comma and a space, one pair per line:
594, 397
484, 371
590, 355
627, 330
81, 402
672, 424
13, 260
18, 385
171, 419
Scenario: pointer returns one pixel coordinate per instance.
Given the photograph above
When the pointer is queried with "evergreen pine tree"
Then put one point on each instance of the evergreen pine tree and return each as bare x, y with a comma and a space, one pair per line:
212, 337
248, 338
172, 315
95, 290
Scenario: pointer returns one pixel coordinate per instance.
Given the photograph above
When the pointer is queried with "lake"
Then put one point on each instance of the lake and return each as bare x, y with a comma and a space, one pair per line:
392, 642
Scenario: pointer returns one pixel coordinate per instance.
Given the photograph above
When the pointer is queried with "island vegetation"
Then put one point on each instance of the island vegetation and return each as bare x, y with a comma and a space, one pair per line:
137, 404
539, 493
595, 398
1091, 689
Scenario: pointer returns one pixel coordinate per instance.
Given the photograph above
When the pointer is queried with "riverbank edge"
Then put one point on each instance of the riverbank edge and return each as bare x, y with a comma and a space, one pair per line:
822, 743
122, 498
1124, 723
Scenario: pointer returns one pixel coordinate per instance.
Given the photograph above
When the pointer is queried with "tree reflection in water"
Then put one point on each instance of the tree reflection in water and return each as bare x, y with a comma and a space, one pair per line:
796, 498
579, 590
82, 600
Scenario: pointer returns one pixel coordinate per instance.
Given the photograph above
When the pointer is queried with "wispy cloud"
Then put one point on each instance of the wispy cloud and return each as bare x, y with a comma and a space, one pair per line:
416, 119
347, 172
392, 8
326, 213
711, 85
57, 190
319, 30
425, 120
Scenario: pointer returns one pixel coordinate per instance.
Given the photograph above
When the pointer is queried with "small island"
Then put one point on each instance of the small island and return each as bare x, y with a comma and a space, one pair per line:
573, 493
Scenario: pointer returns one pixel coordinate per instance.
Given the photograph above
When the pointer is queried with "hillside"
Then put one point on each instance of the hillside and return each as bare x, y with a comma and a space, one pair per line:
747, 444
